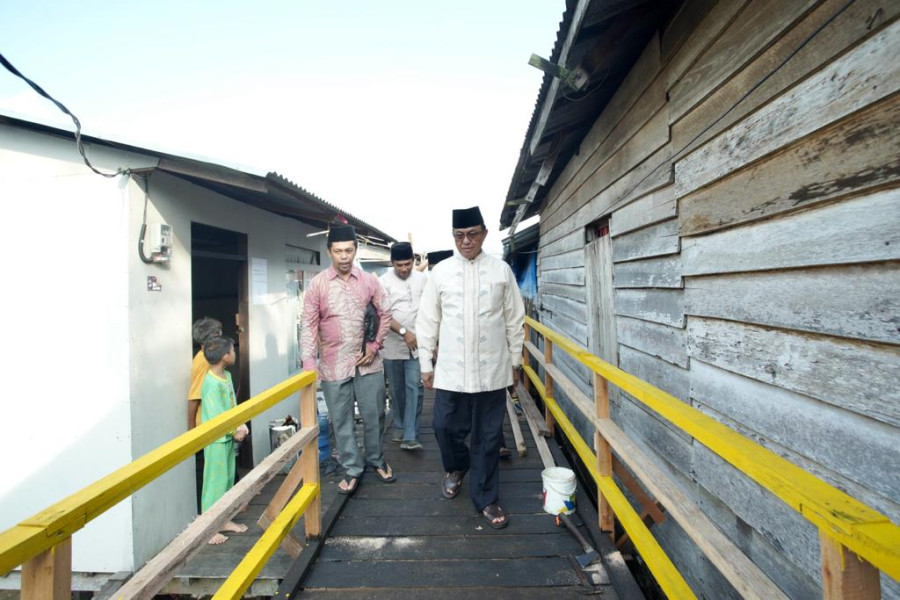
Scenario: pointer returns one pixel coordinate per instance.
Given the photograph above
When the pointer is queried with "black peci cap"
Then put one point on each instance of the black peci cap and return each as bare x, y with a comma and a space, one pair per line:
467, 217
436, 257
341, 233
401, 251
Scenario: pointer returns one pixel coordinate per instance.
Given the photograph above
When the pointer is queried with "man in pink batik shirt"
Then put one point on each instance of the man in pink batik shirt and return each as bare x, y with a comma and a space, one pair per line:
350, 370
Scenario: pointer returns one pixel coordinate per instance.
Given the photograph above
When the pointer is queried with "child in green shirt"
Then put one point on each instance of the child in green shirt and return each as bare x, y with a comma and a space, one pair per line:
217, 396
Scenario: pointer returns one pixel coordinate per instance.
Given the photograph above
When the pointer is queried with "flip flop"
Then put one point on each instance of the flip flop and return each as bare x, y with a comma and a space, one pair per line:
352, 484
493, 511
385, 478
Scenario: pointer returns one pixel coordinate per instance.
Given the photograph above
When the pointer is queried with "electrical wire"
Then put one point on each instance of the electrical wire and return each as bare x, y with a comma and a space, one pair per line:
9, 67
586, 93
143, 233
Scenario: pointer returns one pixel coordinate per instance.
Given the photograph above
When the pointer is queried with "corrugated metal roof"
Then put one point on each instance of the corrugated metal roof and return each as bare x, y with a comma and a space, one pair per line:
607, 39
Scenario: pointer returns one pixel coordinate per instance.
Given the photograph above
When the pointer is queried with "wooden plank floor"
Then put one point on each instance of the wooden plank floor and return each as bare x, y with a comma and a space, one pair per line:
404, 540
206, 571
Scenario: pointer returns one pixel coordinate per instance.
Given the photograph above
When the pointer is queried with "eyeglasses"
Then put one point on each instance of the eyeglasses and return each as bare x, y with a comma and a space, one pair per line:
467, 235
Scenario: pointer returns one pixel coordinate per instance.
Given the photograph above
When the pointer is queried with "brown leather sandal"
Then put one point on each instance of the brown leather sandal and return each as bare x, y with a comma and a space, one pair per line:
492, 512
451, 484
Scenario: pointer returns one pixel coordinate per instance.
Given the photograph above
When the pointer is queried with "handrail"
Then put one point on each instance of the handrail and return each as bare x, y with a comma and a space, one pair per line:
247, 570
840, 517
744, 575
54, 524
667, 575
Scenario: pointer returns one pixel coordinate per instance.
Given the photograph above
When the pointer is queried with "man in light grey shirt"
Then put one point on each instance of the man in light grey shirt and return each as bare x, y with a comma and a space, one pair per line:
403, 285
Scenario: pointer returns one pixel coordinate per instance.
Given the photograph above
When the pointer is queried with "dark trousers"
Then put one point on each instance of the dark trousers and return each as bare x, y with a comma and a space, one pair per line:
455, 416
199, 462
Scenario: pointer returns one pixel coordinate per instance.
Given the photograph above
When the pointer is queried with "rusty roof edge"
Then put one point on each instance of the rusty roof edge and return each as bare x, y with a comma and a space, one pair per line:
296, 190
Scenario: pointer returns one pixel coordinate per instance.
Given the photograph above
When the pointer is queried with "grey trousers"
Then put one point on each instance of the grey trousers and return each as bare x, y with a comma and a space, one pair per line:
368, 392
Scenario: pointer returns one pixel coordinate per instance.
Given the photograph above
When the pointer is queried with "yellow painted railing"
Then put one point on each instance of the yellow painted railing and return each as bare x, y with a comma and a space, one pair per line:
857, 541
39, 543
244, 574
667, 575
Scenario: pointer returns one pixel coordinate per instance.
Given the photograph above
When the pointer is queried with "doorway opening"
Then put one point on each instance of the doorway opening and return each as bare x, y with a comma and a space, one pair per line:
219, 290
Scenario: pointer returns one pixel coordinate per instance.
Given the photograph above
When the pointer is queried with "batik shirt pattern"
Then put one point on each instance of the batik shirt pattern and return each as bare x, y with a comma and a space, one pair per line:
332, 323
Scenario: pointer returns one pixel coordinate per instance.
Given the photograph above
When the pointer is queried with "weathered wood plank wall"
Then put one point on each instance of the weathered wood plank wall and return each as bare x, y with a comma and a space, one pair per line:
750, 168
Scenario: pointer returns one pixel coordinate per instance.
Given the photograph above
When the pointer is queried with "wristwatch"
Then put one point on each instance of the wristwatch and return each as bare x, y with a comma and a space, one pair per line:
402, 331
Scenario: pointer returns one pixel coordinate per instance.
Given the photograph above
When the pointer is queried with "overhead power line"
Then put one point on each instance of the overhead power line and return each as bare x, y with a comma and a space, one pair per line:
12, 69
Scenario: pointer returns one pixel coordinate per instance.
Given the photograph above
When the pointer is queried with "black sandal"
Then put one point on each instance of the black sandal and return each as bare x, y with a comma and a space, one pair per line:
493, 511
451, 483
352, 484
385, 478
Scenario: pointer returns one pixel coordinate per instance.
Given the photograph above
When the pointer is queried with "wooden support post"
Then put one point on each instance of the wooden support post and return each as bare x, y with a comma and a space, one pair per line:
48, 576
844, 574
526, 359
649, 505
309, 461
604, 456
548, 384
297, 475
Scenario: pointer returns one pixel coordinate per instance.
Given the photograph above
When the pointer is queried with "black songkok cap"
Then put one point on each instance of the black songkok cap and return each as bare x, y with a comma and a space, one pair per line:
401, 251
467, 217
436, 257
341, 233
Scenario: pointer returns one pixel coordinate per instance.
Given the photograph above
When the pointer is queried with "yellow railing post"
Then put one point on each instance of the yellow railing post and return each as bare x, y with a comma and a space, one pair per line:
548, 384
526, 358
844, 574
309, 460
48, 576
604, 456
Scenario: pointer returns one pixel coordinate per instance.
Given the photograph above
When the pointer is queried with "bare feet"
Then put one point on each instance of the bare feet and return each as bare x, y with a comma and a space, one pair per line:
218, 539
234, 527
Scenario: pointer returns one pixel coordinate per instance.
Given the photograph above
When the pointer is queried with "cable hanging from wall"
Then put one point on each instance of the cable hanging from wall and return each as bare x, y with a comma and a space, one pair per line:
79, 144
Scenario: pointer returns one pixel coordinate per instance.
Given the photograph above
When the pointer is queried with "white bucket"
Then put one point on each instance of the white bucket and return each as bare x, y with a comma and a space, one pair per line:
559, 490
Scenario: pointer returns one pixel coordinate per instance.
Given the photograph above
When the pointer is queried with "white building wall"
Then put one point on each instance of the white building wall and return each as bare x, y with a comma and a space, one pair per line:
160, 366
101, 366
66, 416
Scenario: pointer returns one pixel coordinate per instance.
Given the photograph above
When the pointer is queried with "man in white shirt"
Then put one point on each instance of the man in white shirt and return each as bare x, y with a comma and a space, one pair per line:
472, 307
404, 285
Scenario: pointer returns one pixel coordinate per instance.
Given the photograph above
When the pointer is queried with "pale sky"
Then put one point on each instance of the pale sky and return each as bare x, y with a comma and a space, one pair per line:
396, 111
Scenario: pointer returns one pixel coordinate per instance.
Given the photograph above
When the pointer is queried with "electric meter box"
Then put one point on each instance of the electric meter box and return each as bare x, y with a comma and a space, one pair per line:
160, 240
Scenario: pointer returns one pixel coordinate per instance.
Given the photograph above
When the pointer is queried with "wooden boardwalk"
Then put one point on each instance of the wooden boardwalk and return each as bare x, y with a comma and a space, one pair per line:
404, 540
